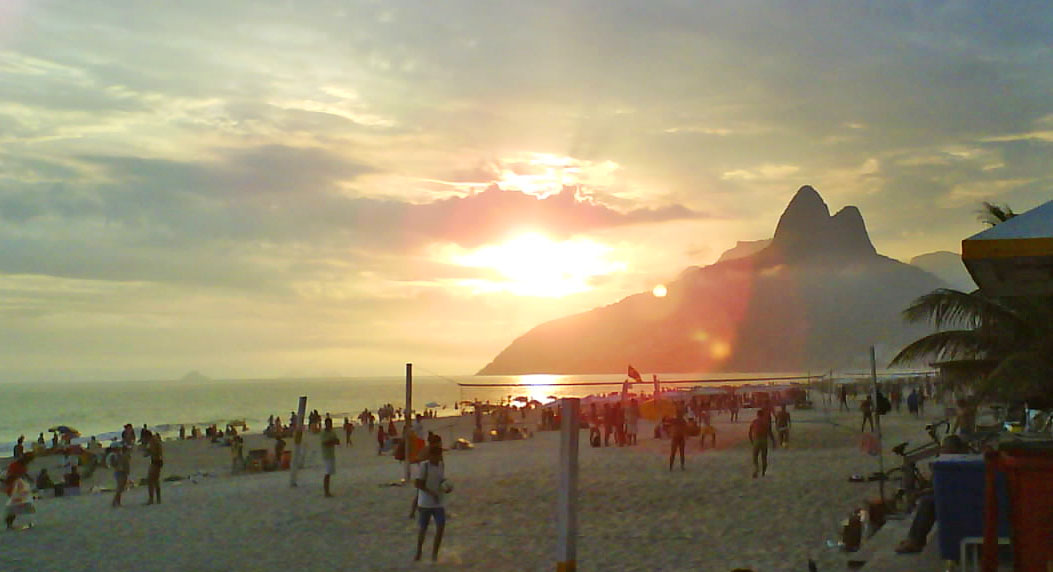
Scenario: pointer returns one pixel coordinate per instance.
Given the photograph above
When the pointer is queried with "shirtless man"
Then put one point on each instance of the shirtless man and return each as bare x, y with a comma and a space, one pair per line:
678, 438
759, 431
153, 474
782, 426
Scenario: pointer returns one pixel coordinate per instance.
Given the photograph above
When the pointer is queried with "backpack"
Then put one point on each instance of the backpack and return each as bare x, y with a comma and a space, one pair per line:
883, 404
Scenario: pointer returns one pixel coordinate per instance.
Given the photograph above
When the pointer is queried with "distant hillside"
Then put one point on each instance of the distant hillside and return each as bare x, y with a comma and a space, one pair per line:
815, 298
947, 266
744, 248
195, 377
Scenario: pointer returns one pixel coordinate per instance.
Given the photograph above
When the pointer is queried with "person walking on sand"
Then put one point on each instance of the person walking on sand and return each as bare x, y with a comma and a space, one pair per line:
678, 438
758, 434
329, 443
867, 407
782, 426
431, 488
153, 474
349, 428
632, 421
707, 430
843, 397
120, 459
20, 494
381, 437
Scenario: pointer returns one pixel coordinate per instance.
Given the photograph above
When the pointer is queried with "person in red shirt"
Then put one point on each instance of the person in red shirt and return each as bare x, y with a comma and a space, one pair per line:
15, 472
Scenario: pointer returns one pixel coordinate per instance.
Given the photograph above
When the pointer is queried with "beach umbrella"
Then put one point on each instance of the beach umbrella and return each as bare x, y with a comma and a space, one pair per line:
65, 430
431, 404
522, 399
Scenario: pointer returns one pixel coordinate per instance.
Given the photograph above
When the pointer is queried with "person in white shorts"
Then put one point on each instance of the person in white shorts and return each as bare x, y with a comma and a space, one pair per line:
431, 488
329, 443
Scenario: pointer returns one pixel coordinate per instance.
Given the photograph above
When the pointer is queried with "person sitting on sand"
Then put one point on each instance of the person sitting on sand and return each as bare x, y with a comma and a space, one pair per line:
758, 434
430, 491
44, 482
73, 480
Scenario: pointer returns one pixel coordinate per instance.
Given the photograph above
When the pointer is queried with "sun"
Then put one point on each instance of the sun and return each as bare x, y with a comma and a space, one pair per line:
532, 264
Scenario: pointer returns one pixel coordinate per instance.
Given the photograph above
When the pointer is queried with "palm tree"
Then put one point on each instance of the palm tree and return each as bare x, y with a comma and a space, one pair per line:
992, 214
1003, 345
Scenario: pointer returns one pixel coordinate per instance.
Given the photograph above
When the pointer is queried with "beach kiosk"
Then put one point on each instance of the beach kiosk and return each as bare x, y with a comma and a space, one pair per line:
1014, 258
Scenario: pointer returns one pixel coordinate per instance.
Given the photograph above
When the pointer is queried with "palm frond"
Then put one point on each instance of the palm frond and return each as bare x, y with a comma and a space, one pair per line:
945, 345
1022, 374
992, 214
944, 307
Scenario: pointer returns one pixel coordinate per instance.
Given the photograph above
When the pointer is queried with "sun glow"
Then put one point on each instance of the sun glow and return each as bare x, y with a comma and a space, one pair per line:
534, 265
659, 291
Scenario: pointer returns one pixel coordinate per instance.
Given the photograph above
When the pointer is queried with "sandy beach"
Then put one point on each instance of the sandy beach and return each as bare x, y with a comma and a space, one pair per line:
634, 513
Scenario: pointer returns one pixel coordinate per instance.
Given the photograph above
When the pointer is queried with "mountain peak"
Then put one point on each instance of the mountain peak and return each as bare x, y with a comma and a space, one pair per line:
807, 230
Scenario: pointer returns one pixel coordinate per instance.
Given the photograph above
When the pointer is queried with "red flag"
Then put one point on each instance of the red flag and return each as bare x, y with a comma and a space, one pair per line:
634, 374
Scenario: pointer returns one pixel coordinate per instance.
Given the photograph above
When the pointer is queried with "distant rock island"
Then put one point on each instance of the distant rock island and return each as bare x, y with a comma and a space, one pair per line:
815, 297
195, 377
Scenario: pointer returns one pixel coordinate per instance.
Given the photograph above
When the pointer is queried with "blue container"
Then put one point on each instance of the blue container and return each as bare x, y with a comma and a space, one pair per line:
958, 481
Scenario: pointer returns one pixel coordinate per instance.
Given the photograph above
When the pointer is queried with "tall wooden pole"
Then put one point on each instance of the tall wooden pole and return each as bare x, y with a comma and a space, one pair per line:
297, 460
567, 496
407, 414
877, 423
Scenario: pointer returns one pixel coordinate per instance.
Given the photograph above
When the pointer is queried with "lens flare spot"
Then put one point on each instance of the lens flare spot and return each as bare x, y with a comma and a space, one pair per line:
719, 349
659, 291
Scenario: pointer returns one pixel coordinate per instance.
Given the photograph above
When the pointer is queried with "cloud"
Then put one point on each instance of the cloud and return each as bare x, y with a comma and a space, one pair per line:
767, 171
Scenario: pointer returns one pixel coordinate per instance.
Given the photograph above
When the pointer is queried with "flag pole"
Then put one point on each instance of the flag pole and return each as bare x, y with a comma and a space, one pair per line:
877, 421
406, 427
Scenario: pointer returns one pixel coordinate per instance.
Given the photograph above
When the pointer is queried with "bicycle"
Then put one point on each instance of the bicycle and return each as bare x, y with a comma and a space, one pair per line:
912, 482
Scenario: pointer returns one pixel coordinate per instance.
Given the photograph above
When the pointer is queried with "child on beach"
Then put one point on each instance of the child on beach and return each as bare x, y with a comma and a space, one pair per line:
431, 487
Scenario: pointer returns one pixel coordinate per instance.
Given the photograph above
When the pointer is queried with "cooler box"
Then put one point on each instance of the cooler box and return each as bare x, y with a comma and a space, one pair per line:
958, 481
1030, 474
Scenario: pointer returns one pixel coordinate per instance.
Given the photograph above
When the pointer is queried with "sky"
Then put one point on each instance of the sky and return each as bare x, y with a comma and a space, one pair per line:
264, 189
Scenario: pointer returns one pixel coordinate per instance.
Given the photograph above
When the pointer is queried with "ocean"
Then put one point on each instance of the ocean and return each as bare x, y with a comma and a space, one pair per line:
102, 408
